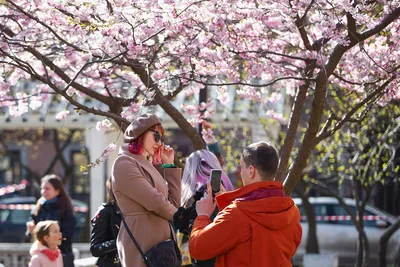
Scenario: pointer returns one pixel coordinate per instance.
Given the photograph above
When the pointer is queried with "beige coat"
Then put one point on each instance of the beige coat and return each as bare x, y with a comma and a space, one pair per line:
147, 200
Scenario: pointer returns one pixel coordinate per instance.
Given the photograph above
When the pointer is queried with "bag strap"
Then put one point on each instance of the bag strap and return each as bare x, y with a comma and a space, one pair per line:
134, 240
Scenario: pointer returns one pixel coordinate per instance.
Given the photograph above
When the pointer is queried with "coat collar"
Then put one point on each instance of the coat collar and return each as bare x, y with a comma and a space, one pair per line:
141, 160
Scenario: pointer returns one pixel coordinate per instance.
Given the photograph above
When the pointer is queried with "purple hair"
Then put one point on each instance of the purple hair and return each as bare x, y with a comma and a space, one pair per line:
197, 173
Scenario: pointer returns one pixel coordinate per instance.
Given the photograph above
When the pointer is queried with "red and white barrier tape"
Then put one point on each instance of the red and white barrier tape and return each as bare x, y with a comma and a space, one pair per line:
346, 218
31, 207
13, 188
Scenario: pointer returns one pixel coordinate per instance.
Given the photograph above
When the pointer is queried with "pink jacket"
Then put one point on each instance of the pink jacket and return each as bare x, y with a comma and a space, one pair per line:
39, 259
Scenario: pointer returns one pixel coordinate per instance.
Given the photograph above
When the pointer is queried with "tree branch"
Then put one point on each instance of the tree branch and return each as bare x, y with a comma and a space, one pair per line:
375, 94
91, 110
354, 83
255, 85
318, 102
382, 25
104, 99
159, 98
45, 25
291, 131
59, 150
90, 63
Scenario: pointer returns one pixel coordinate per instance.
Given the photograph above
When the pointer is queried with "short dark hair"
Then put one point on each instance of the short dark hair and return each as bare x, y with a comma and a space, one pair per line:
263, 157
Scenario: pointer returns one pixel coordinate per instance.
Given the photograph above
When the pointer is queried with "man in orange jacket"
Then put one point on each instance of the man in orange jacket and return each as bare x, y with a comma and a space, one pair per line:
258, 225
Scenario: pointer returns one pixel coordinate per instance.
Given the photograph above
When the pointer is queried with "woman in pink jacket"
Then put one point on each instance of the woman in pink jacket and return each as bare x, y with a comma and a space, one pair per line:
45, 251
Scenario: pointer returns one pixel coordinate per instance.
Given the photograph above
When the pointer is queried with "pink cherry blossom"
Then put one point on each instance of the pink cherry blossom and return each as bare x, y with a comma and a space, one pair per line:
62, 114
35, 102
104, 124
122, 55
208, 136
222, 95
276, 116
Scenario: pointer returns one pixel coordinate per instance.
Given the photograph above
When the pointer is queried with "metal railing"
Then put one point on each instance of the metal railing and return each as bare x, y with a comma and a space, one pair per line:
17, 254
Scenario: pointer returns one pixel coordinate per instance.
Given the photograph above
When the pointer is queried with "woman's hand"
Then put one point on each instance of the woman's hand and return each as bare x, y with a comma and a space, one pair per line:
30, 226
167, 154
206, 125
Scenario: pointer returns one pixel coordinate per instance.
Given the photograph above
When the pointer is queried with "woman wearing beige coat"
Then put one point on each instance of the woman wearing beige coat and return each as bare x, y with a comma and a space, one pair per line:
147, 200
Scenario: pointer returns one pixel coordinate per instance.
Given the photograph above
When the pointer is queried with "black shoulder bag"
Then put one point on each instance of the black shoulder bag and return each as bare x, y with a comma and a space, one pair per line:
164, 254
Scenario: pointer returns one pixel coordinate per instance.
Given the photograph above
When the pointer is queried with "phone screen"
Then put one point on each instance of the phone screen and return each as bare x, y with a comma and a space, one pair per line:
215, 180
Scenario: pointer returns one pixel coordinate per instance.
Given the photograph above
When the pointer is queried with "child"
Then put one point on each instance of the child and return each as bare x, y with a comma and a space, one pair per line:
44, 251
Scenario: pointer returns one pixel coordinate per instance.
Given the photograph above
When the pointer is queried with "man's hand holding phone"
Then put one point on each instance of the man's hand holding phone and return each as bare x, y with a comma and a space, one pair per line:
206, 205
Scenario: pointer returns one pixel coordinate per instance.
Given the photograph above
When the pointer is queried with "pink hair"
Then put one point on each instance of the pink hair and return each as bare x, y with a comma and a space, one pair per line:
136, 146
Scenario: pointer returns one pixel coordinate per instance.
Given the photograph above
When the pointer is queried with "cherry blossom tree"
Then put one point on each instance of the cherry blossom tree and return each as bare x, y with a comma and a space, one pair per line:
130, 54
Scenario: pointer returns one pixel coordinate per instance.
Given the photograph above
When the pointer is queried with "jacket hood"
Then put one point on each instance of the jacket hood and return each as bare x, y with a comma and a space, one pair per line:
271, 210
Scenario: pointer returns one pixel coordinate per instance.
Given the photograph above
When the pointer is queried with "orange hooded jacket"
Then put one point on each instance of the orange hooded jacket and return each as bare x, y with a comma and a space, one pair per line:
258, 225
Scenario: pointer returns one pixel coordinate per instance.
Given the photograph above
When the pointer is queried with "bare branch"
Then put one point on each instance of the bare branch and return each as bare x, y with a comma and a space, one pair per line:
267, 52
376, 93
354, 83
256, 85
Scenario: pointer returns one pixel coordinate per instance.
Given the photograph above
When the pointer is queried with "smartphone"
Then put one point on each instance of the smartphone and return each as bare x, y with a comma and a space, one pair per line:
215, 178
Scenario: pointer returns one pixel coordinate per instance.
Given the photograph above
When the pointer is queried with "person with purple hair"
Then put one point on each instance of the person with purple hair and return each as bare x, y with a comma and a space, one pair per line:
195, 176
197, 172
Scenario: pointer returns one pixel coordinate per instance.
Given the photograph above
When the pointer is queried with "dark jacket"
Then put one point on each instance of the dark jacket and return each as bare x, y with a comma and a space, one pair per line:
51, 210
105, 229
184, 219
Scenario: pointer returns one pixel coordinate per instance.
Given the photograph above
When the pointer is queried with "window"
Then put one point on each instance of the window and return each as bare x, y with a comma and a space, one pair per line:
319, 210
81, 183
4, 215
10, 167
340, 210
19, 216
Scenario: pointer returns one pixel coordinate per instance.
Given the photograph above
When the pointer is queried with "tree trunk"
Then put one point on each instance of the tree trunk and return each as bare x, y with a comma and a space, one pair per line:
384, 241
362, 249
312, 245
397, 259
312, 240
363, 245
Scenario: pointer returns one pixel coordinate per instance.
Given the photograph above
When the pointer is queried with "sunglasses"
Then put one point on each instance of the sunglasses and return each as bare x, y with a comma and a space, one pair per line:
158, 136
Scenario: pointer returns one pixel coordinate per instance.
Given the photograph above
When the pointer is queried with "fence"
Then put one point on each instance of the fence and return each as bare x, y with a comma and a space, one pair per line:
17, 254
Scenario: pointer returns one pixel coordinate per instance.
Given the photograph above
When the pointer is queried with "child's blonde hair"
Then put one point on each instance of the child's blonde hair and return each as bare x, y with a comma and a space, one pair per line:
42, 229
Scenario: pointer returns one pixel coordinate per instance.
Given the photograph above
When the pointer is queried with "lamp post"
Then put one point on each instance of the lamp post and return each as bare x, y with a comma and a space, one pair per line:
202, 98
